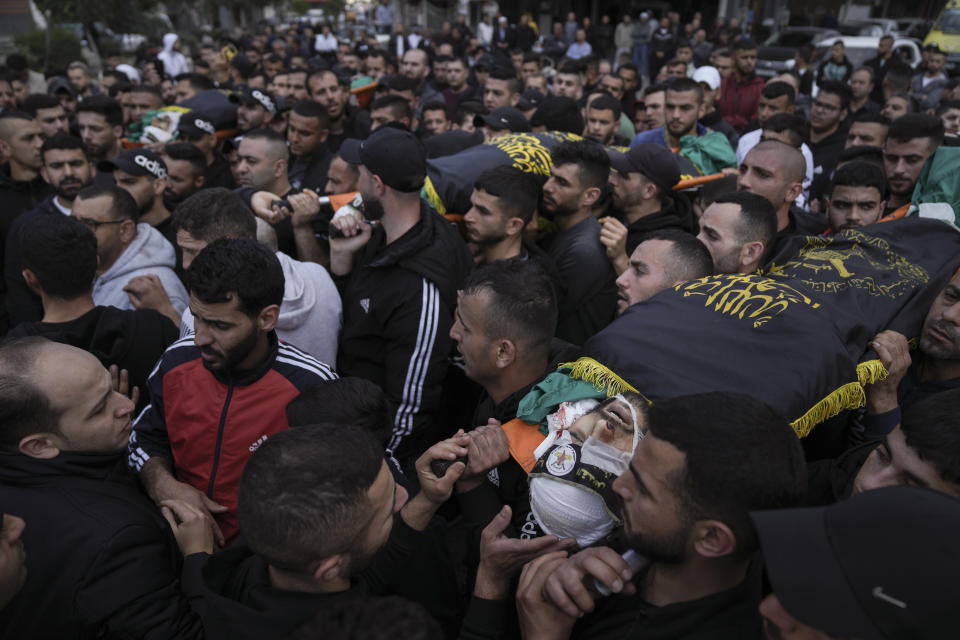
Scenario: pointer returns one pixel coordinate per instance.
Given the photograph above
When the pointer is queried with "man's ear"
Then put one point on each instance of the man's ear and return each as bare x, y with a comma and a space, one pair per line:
4, 148
713, 539
591, 196
159, 185
514, 226
793, 191
506, 353
330, 569
267, 320
31, 281
44, 446
118, 132
128, 231
751, 253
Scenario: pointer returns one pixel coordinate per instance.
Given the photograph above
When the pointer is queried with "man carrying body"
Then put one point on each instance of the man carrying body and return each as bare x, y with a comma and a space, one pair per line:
643, 201
857, 196
256, 108
695, 534
911, 139
738, 229
398, 284
185, 168
578, 176
215, 396
664, 259
775, 170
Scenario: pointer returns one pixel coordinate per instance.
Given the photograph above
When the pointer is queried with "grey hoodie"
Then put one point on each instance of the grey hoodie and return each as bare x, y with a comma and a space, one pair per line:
149, 253
311, 312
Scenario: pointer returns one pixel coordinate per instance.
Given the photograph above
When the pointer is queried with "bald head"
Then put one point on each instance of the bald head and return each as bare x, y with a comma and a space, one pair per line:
788, 158
774, 170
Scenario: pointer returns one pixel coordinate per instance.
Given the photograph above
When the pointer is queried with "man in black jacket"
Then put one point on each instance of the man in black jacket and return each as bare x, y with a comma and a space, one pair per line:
307, 550
101, 561
399, 285
59, 264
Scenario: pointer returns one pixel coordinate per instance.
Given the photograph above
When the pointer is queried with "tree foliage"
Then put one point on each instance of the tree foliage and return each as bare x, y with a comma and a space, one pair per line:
64, 48
123, 16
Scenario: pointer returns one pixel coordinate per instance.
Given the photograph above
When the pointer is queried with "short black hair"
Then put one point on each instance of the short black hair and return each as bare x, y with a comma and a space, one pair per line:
863, 153
312, 109
62, 254
791, 122
36, 101
917, 125
147, 88
740, 439
872, 116
60, 141
558, 113
931, 427
24, 406
860, 174
122, 204
593, 163
839, 89
240, 268
654, 88
303, 493
435, 105
106, 106
198, 81
371, 618
683, 85
188, 152
214, 213
467, 110
946, 105
912, 104
522, 303
606, 102
517, 191
501, 73
689, 258
898, 76
758, 218
398, 105
349, 400
629, 66
744, 44
777, 89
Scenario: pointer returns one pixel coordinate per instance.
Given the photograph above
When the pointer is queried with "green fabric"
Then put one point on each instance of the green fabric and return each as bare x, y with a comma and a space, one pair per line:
710, 153
939, 180
545, 397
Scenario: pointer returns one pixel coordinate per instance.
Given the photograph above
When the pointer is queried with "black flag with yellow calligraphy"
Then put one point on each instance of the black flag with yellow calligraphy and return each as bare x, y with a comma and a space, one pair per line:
795, 337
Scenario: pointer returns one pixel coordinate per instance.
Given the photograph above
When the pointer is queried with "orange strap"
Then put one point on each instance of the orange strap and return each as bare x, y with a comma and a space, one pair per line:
699, 180
340, 199
523, 438
896, 215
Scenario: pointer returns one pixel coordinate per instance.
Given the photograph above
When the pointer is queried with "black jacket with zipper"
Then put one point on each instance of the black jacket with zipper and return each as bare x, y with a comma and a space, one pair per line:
101, 561
398, 305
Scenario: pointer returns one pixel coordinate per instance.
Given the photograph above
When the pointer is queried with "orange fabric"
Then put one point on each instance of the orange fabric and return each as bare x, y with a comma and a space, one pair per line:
364, 94
339, 199
523, 438
896, 215
699, 180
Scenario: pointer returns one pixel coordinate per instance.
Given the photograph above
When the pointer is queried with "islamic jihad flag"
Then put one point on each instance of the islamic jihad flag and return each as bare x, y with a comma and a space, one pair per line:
795, 337
450, 179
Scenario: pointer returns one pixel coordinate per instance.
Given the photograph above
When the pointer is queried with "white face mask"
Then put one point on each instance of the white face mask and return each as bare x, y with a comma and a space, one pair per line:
571, 493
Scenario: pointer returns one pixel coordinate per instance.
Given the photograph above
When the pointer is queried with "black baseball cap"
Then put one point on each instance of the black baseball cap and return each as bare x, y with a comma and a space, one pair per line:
503, 118
195, 125
530, 99
136, 162
882, 564
654, 161
60, 84
260, 97
397, 156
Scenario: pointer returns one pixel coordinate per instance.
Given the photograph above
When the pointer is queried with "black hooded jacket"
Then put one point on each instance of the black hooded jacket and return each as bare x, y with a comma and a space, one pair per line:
17, 196
398, 305
675, 212
101, 561
132, 340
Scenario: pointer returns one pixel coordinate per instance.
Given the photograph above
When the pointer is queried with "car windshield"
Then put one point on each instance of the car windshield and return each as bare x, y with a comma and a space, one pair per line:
949, 22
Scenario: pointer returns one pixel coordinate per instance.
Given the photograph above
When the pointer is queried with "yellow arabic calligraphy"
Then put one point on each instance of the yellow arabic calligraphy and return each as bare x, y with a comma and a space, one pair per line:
744, 296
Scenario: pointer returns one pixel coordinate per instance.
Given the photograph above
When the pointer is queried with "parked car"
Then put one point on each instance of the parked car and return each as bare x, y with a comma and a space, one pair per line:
776, 54
868, 27
913, 28
859, 49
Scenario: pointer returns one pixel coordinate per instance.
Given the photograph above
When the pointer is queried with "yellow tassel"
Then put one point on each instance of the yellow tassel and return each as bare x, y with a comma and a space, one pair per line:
433, 198
602, 378
871, 371
849, 396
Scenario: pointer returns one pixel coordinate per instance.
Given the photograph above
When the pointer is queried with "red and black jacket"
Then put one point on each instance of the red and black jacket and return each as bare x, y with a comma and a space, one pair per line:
210, 424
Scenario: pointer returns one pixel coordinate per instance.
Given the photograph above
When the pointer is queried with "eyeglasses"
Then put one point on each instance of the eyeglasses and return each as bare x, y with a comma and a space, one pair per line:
825, 106
96, 224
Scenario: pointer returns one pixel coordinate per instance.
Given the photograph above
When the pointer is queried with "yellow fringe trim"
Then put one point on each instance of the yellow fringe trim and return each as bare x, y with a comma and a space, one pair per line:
849, 396
433, 198
602, 378
871, 371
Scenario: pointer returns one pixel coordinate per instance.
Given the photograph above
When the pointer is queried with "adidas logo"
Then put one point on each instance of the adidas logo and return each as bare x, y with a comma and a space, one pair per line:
256, 445
152, 166
365, 303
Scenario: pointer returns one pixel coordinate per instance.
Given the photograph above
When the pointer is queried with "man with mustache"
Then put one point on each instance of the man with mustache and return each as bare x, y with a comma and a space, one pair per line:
67, 169
911, 139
